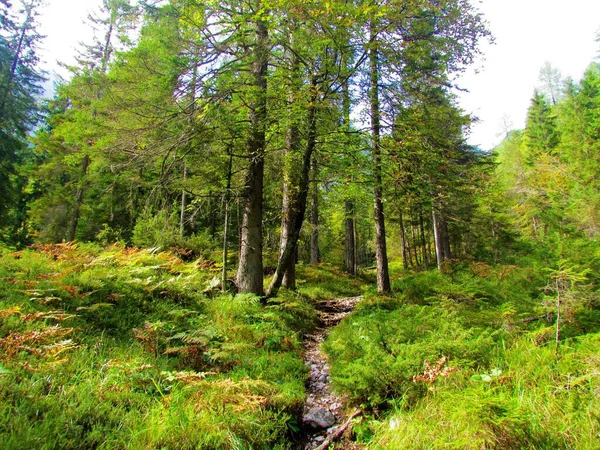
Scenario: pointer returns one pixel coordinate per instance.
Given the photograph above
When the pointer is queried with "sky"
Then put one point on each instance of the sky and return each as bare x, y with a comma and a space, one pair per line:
527, 34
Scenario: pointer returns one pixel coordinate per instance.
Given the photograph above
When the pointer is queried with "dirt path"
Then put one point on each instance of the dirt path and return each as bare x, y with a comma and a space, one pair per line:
323, 412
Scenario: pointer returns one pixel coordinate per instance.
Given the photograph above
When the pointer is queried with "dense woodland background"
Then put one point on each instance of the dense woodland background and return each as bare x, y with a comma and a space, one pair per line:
318, 146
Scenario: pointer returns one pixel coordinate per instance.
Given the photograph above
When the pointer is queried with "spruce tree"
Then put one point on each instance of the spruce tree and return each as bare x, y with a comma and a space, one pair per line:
20, 87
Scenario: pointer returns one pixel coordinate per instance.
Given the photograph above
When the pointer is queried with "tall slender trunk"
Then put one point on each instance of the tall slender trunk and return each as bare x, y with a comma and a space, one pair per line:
298, 201
79, 195
445, 239
315, 256
356, 260
414, 246
442, 243
226, 222
423, 242
383, 276
290, 175
405, 255
183, 206
350, 264
250, 267
350, 260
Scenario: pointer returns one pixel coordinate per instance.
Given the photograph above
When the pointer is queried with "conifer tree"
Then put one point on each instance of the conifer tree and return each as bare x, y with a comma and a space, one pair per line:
20, 87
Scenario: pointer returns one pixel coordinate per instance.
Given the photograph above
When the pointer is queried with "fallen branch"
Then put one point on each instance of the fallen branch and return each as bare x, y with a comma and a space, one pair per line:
338, 433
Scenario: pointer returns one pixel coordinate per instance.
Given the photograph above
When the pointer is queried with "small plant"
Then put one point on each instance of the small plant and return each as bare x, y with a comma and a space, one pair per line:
563, 284
151, 336
432, 373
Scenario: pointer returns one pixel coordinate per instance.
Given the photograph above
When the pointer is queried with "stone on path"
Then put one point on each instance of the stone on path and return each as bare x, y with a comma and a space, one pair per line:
319, 418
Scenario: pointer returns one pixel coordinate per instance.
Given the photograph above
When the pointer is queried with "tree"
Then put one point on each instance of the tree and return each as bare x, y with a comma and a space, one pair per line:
550, 80
20, 88
73, 144
541, 131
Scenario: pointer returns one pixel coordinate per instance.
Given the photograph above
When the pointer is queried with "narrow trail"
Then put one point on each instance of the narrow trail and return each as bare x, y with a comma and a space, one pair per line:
323, 416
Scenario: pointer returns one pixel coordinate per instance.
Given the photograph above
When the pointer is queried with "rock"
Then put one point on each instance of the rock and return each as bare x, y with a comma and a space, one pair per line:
319, 418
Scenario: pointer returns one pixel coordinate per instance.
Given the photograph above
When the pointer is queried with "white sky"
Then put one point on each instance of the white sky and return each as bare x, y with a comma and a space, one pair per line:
527, 32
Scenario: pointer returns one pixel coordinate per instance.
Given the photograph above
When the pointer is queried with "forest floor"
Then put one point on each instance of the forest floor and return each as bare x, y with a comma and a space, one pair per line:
324, 414
129, 348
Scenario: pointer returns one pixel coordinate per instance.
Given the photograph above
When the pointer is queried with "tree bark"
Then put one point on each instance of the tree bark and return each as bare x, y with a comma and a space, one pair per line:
250, 267
183, 206
350, 259
290, 176
297, 203
315, 256
440, 233
350, 264
383, 277
423, 242
405, 255
226, 222
414, 246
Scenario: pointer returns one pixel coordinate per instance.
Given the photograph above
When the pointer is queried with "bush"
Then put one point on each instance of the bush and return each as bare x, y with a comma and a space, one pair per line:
375, 353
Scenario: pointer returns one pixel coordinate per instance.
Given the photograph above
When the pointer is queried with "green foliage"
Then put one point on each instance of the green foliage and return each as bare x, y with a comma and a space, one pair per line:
464, 360
118, 348
524, 401
376, 353
162, 231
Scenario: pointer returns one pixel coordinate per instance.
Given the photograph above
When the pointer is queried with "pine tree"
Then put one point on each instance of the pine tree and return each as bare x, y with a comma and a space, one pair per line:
541, 131
20, 87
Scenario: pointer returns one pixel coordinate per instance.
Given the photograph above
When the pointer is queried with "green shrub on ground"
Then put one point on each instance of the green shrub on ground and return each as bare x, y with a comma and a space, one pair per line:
119, 348
526, 402
467, 360
375, 353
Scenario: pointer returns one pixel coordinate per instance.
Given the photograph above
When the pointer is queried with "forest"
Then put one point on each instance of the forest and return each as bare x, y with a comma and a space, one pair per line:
259, 224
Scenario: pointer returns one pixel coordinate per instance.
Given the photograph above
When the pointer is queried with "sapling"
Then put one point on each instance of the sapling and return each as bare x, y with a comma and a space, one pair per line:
563, 283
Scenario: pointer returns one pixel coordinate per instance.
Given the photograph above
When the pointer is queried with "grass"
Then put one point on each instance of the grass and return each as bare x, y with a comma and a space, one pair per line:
465, 360
127, 348
124, 348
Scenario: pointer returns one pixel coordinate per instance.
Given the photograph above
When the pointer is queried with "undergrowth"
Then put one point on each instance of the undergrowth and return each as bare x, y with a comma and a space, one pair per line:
467, 360
119, 347
127, 348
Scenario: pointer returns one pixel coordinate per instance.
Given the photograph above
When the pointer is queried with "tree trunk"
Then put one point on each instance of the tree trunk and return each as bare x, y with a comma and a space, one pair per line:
423, 242
383, 277
183, 206
315, 256
79, 199
250, 268
350, 264
445, 239
442, 244
405, 255
350, 261
414, 246
226, 222
290, 176
297, 204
